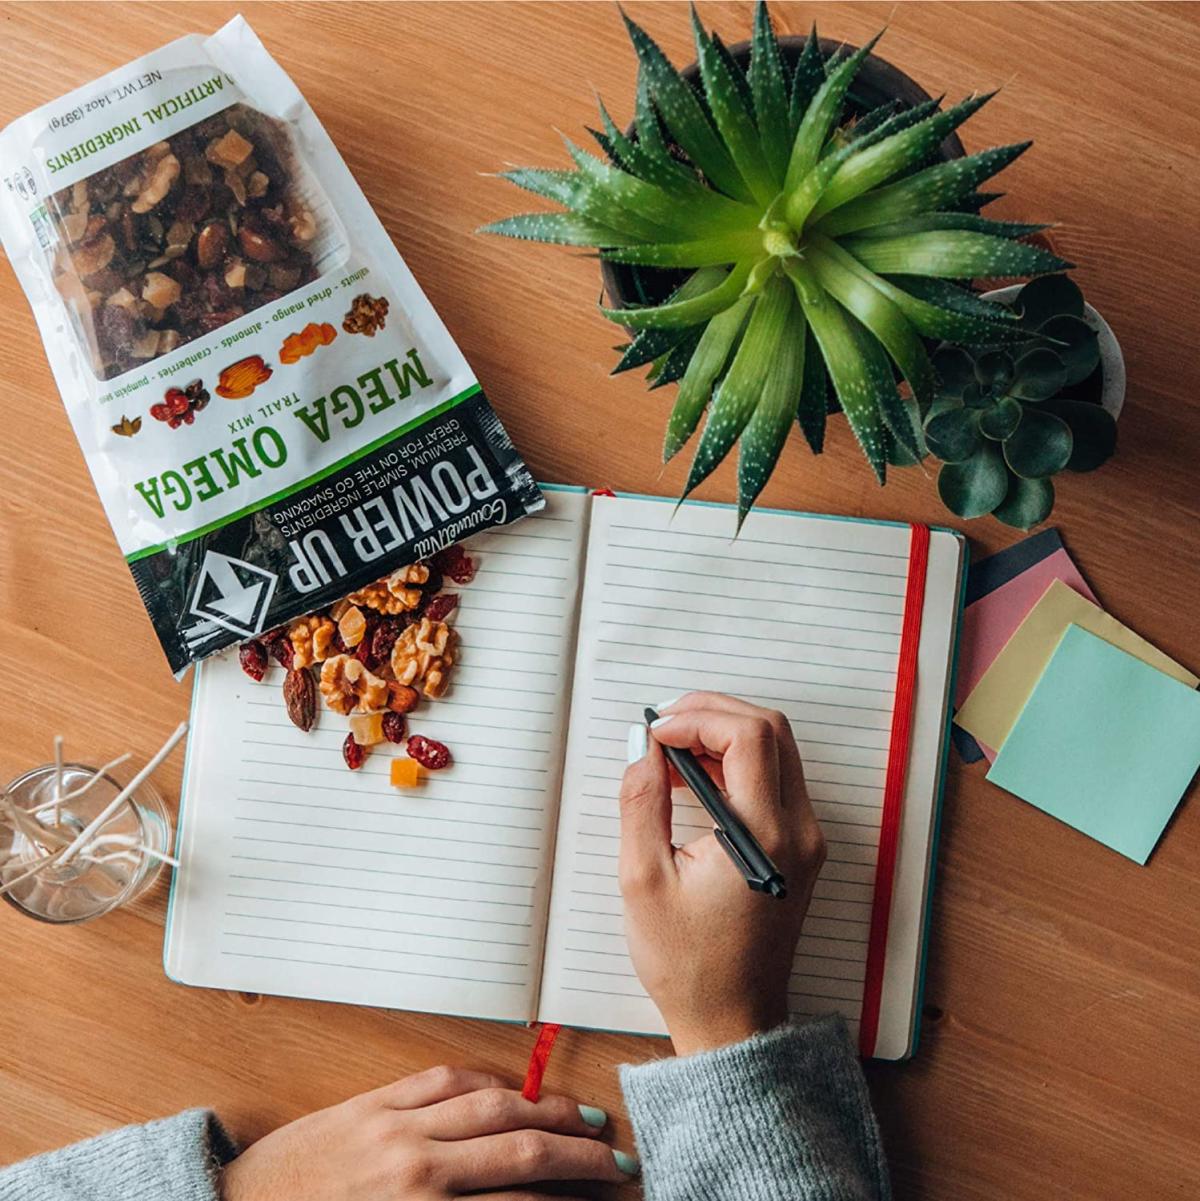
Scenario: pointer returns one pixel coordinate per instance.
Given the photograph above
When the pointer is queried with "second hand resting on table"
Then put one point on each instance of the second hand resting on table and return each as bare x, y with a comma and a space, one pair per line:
753, 1110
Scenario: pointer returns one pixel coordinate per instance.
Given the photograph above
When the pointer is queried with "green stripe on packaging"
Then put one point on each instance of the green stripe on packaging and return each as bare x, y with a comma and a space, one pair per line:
316, 478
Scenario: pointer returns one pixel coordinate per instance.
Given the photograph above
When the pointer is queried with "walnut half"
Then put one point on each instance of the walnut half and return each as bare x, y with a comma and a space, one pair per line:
424, 654
312, 639
348, 687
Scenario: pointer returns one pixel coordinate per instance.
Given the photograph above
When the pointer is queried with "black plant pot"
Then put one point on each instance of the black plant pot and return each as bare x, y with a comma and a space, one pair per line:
877, 82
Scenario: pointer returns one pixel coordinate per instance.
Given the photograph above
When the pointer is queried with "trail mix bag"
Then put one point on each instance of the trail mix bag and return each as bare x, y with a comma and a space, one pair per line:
271, 410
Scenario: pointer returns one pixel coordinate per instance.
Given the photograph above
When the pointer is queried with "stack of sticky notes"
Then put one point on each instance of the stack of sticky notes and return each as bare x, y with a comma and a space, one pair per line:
1082, 717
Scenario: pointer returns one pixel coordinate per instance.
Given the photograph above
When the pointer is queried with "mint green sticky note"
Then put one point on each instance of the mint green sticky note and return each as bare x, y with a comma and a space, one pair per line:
1105, 743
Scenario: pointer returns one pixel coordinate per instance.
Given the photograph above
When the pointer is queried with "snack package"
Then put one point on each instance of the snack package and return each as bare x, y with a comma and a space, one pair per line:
271, 410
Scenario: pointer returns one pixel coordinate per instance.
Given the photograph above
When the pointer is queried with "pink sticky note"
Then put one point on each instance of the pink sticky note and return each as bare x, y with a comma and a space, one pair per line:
993, 619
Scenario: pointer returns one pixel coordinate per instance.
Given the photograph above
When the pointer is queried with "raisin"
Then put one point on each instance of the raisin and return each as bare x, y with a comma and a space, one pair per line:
456, 563
300, 698
393, 727
441, 606
253, 658
428, 753
353, 753
279, 647
383, 638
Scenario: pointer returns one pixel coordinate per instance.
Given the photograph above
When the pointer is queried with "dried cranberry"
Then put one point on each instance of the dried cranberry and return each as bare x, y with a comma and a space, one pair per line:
441, 606
353, 753
428, 752
456, 563
159, 412
177, 401
253, 658
393, 727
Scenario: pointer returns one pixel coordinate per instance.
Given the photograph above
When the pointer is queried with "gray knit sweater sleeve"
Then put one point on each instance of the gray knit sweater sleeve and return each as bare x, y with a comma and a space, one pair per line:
784, 1116
178, 1159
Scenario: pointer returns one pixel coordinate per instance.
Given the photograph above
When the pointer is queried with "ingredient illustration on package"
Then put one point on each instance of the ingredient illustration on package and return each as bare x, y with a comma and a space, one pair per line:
272, 412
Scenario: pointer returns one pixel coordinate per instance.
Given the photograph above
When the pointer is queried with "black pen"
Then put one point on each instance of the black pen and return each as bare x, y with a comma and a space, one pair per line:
731, 832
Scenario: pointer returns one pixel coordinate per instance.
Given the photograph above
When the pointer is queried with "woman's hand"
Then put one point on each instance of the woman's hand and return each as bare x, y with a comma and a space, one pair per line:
441, 1134
715, 956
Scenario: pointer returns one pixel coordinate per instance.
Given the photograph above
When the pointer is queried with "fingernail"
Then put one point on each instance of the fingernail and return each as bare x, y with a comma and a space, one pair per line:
635, 748
667, 704
595, 1118
662, 721
627, 1163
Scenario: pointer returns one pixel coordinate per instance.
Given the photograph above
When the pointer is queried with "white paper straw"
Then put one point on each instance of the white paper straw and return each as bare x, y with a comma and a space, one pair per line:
58, 774
90, 829
78, 791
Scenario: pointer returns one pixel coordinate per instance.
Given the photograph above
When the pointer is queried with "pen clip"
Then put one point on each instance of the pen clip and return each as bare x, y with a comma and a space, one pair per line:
752, 877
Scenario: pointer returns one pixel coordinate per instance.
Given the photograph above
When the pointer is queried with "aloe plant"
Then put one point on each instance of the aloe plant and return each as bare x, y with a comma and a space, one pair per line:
821, 251
1005, 419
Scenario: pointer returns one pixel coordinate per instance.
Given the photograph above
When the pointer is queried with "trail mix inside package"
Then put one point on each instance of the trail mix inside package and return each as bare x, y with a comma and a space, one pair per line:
271, 410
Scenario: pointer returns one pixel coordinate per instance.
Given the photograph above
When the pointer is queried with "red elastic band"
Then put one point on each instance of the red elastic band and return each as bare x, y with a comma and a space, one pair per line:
538, 1059
893, 788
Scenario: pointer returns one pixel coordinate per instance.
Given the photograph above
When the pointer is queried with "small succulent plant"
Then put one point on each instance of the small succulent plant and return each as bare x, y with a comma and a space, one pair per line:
1007, 419
821, 248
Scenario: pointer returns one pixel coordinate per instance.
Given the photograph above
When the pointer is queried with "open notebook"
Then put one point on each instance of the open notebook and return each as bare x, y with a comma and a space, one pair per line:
491, 890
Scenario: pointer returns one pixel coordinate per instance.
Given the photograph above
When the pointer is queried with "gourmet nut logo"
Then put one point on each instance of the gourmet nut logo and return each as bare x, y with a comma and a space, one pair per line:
233, 593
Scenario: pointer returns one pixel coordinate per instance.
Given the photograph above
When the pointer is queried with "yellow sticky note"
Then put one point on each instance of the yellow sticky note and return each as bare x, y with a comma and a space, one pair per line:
997, 700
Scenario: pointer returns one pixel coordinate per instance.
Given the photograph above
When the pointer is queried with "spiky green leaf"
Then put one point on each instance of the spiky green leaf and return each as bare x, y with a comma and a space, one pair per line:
661, 170
684, 116
650, 344
734, 119
739, 392
952, 254
565, 229
682, 214
736, 73
813, 408
768, 85
767, 429
705, 366
707, 252
855, 362
942, 186
820, 116
960, 300
888, 157
884, 320
807, 78
969, 221
674, 364
693, 311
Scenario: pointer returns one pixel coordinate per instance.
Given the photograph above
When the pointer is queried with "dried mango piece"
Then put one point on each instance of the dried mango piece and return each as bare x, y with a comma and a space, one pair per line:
366, 728
297, 346
406, 773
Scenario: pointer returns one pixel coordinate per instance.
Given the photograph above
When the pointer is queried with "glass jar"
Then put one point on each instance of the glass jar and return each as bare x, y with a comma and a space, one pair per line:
83, 888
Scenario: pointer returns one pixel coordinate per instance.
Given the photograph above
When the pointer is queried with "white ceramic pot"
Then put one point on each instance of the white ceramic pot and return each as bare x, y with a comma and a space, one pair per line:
1112, 361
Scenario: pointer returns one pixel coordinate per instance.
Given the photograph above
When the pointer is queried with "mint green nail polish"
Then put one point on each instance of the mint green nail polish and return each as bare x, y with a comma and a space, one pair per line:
596, 1118
627, 1163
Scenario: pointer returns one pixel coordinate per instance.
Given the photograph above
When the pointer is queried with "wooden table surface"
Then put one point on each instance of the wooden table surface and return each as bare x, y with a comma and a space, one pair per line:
1060, 1053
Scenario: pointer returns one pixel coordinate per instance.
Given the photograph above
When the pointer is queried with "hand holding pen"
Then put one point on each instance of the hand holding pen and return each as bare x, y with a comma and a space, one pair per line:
733, 979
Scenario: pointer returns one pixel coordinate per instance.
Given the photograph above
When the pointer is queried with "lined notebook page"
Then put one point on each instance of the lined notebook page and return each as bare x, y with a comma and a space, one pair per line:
302, 878
799, 614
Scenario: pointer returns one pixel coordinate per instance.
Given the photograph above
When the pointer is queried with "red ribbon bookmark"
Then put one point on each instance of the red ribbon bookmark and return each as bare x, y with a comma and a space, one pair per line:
893, 787
538, 1059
